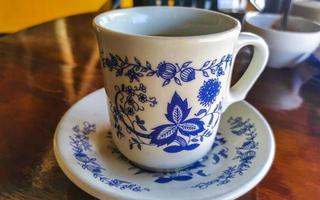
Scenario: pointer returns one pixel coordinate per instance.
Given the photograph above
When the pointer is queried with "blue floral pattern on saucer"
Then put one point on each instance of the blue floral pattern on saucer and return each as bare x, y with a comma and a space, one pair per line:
245, 155
196, 169
80, 146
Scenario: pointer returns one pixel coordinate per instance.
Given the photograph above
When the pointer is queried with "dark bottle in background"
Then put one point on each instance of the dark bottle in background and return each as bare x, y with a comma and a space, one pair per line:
235, 8
273, 6
214, 5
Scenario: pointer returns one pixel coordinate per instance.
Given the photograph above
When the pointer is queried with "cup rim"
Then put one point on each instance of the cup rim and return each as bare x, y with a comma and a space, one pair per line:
251, 15
235, 28
307, 5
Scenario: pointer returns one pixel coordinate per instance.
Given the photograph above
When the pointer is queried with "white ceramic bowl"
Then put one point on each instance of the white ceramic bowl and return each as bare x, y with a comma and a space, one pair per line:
287, 48
307, 9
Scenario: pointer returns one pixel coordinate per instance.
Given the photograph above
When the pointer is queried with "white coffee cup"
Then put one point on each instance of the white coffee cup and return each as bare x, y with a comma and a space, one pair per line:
167, 73
285, 51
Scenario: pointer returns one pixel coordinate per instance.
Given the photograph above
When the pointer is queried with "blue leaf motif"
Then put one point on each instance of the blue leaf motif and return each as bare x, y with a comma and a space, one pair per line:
191, 127
177, 114
182, 142
223, 152
164, 134
244, 154
196, 165
248, 144
200, 112
142, 127
249, 155
215, 158
163, 180
94, 169
137, 61
206, 64
177, 81
173, 149
201, 173
166, 82
148, 65
191, 146
151, 73
135, 140
186, 64
182, 178
80, 144
205, 73
183, 105
82, 157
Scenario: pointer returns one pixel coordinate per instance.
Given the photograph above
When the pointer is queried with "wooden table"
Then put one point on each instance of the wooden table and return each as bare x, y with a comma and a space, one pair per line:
45, 69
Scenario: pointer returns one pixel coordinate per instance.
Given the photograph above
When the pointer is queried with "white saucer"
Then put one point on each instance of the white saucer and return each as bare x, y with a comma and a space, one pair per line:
240, 158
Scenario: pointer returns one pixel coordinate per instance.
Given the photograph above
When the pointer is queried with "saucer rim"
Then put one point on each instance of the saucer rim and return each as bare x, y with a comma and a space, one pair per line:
101, 194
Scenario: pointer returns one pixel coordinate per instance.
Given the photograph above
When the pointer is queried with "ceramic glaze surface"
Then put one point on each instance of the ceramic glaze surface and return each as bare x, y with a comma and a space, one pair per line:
175, 21
238, 159
167, 86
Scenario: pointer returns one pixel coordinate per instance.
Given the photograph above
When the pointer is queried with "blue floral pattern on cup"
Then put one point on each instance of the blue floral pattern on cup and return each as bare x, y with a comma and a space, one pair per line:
209, 91
178, 125
167, 71
183, 130
129, 102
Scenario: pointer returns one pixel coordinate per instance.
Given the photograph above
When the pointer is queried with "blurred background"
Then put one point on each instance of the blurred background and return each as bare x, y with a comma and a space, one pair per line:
16, 15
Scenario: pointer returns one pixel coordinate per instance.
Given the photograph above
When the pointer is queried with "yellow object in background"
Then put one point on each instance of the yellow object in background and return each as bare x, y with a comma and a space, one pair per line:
16, 15
126, 3
129, 3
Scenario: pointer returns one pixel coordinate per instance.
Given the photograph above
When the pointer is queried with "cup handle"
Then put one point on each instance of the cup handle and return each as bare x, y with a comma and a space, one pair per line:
259, 60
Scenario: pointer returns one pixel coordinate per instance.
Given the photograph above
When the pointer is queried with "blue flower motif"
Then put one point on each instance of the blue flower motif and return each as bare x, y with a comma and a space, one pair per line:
177, 113
82, 157
220, 71
142, 88
80, 152
133, 76
129, 90
169, 72
209, 91
188, 74
142, 97
166, 70
245, 153
129, 111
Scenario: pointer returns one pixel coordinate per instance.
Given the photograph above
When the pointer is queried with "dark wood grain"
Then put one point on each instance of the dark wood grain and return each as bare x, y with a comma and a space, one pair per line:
45, 69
